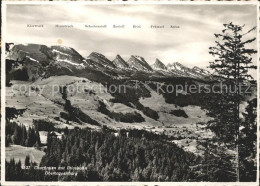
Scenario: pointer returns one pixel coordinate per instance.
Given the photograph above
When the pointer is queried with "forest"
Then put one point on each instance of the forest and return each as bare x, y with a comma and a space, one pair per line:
130, 156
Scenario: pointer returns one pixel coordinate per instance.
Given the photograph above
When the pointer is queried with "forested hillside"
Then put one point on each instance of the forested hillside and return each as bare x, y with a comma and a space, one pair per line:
109, 156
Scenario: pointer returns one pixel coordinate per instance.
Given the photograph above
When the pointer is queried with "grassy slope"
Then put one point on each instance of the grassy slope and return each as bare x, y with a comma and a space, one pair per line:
19, 153
47, 106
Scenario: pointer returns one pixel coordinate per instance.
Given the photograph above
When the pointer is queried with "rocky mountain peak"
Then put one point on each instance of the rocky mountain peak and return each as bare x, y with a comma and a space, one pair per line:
138, 63
67, 54
101, 60
176, 66
120, 62
67, 51
35, 52
158, 65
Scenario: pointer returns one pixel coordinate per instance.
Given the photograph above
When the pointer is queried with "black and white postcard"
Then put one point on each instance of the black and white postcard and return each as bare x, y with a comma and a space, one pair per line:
123, 94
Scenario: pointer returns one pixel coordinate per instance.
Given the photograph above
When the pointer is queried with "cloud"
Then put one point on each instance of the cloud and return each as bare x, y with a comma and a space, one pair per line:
187, 44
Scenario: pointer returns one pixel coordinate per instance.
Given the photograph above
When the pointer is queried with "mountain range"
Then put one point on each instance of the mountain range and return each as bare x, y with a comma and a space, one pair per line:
41, 60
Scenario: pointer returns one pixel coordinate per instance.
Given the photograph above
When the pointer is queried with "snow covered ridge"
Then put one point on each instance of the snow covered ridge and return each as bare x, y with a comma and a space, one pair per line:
178, 68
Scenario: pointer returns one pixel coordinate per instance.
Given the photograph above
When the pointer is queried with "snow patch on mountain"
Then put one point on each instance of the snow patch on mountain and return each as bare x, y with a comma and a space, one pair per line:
68, 61
59, 52
32, 59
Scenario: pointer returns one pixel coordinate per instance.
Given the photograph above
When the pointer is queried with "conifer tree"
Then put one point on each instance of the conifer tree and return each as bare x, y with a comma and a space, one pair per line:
232, 63
247, 143
24, 135
27, 160
37, 137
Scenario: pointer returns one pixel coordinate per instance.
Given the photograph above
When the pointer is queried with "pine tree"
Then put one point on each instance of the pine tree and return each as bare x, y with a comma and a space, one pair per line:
216, 162
232, 64
37, 137
24, 136
247, 143
48, 140
27, 160
136, 176
17, 135
33, 136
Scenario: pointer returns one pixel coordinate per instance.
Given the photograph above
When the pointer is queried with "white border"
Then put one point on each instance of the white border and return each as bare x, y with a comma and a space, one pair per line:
4, 3
3, 92
258, 89
169, 2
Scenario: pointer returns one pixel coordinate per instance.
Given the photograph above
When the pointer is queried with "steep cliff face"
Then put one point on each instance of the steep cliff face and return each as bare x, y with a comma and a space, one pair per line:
158, 65
101, 59
138, 63
119, 62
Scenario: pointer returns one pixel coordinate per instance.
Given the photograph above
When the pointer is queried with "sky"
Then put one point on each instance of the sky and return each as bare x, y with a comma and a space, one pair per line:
187, 44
